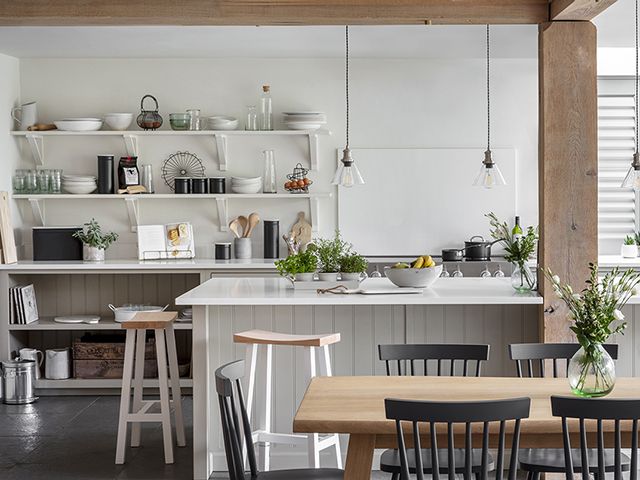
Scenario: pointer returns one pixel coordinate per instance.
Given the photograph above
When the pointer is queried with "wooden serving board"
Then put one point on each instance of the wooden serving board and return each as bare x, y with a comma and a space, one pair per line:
9, 252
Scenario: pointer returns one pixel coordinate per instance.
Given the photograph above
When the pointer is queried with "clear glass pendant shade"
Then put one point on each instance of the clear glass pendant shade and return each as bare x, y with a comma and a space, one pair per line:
347, 174
632, 180
489, 177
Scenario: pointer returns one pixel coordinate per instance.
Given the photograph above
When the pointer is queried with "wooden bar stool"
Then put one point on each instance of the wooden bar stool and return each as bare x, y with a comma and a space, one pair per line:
162, 325
259, 355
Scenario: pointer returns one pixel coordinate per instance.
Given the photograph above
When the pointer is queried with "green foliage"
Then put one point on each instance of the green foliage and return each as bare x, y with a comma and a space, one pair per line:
595, 309
629, 240
92, 235
517, 250
303, 262
353, 263
330, 252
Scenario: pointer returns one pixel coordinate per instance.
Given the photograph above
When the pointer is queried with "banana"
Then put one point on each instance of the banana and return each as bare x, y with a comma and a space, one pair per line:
418, 263
401, 265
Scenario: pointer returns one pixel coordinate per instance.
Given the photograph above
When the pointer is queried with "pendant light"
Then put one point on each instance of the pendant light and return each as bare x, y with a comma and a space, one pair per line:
347, 173
632, 180
489, 175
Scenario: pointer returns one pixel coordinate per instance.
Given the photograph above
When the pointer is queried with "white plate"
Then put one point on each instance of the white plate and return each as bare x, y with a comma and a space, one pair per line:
78, 178
77, 319
78, 125
303, 126
303, 113
80, 190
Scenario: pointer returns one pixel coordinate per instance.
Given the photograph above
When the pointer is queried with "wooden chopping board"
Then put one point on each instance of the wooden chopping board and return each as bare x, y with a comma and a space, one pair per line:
6, 230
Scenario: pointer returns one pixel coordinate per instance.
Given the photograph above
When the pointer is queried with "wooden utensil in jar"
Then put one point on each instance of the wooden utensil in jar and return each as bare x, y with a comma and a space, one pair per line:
253, 219
234, 226
244, 222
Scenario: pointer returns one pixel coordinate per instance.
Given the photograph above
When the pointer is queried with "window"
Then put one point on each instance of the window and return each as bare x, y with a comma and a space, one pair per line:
617, 207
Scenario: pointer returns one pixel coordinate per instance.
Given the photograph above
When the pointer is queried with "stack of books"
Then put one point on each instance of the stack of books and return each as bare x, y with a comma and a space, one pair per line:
23, 308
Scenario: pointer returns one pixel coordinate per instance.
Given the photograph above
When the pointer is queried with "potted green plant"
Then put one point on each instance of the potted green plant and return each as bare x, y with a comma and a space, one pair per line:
94, 242
353, 267
300, 266
596, 314
329, 253
629, 248
518, 248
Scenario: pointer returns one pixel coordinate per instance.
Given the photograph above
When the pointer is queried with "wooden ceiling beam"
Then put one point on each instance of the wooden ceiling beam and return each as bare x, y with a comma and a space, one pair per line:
271, 12
577, 10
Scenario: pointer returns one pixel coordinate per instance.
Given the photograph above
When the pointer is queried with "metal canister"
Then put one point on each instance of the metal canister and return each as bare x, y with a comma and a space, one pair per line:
18, 379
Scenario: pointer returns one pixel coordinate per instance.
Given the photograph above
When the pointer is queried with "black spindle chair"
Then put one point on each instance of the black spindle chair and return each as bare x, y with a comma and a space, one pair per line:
533, 355
236, 427
414, 359
452, 413
599, 460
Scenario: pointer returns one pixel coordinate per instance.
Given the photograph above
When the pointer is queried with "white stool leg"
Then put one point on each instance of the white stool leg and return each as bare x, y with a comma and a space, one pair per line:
176, 394
163, 384
325, 370
250, 366
125, 395
138, 385
312, 443
264, 414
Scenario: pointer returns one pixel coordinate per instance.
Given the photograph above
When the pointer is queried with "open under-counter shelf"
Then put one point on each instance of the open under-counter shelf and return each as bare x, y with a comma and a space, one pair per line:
47, 323
130, 137
133, 212
100, 383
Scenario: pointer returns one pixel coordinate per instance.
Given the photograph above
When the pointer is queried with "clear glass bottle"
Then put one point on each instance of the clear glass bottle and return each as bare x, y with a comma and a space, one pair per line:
269, 181
266, 109
252, 118
194, 119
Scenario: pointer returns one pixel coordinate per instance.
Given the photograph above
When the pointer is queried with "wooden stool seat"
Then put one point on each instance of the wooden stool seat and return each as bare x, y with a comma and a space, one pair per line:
263, 337
161, 323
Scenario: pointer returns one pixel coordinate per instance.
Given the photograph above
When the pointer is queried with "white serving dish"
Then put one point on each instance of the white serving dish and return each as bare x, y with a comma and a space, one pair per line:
413, 277
245, 181
79, 189
79, 124
127, 312
246, 189
222, 123
303, 126
118, 121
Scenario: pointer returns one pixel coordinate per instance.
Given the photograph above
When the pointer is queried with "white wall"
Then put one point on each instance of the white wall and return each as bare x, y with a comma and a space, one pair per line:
395, 103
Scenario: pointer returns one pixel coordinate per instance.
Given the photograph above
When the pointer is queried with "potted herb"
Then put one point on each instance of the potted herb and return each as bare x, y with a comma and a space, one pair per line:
300, 266
353, 266
94, 242
329, 253
596, 314
629, 248
518, 247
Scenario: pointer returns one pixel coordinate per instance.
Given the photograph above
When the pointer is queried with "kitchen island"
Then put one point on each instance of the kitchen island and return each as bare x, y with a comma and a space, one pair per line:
482, 308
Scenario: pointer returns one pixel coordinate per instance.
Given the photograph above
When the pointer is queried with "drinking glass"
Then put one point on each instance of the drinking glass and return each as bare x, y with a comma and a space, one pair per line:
43, 181
31, 182
458, 273
252, 118
194, 121
18, 181
55, 181
485, 273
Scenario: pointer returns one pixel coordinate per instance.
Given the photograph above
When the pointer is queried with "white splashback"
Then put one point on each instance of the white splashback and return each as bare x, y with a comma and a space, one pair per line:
422, 200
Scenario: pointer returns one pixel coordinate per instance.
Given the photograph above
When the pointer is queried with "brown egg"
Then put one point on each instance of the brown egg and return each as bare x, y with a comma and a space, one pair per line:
300, 183
306, 181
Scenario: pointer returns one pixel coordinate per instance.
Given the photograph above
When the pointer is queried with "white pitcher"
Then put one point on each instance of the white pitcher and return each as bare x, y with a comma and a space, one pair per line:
35, 355
58, 364
25, 115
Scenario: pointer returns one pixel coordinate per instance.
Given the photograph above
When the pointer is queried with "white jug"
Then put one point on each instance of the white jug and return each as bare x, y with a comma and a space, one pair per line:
28, 115
58, 364
35, 355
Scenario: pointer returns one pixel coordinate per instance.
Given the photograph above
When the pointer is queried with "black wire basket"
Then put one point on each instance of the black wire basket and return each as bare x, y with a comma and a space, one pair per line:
299, 175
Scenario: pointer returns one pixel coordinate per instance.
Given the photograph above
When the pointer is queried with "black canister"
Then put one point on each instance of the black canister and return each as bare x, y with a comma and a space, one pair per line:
182, 185
105, 174
271, 239
223, 251
199, 185
217, 185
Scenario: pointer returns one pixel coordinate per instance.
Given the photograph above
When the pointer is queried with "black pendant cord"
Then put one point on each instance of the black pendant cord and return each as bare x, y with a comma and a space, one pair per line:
489, 97
637, 79
347, 78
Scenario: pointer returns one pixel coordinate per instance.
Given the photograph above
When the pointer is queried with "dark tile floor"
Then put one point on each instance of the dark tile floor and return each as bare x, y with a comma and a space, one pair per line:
68, 438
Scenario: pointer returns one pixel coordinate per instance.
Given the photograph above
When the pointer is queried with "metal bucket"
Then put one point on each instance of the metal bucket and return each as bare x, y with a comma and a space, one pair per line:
18, 381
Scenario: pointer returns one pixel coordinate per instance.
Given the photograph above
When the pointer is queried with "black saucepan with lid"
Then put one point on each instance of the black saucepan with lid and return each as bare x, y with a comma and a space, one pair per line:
478, 250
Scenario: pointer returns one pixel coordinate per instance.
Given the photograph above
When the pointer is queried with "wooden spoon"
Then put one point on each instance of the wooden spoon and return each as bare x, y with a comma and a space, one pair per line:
243, 223
234, 226
254, 219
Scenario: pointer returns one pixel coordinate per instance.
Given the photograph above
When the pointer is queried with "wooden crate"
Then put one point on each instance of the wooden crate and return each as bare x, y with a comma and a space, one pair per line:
109, 368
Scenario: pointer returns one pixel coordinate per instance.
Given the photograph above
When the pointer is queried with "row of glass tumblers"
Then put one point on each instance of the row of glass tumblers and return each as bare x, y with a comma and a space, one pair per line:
37, 181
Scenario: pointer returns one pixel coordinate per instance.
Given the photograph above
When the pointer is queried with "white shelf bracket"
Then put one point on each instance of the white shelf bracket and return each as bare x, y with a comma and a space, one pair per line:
38, 211
36, 143
313, 151
314, 213
131, 145
221, 144
223, 214
133, 212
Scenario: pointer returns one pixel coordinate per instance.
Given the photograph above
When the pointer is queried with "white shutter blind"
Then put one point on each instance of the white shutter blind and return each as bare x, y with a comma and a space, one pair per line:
617, 207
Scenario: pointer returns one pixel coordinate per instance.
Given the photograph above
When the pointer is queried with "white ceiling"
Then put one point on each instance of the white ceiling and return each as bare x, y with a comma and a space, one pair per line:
285, 42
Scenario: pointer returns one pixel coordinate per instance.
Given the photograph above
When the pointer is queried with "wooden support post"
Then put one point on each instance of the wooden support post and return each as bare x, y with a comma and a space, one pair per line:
568, 189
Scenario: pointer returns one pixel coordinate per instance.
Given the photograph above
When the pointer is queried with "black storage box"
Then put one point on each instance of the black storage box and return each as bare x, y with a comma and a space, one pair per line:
56, 243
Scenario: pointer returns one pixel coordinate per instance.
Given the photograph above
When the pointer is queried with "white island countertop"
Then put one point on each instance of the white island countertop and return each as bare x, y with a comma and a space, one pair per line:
277, 291
131, 264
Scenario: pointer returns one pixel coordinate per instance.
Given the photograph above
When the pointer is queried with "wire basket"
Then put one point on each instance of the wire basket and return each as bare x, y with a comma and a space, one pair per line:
299, 175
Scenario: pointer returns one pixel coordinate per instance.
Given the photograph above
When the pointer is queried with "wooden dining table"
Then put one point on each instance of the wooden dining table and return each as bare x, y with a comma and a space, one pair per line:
355, 406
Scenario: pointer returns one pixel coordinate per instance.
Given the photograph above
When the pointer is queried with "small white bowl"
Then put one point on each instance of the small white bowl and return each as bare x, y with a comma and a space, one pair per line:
413, 277
245, 181
246, 188
221, 122
118, 121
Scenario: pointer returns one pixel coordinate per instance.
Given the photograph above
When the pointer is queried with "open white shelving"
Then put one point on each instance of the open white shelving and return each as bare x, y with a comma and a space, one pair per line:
132, 203
36, 140
47, 323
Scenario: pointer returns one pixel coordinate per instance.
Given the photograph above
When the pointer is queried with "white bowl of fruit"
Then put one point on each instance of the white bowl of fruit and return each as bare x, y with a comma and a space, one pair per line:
421, 273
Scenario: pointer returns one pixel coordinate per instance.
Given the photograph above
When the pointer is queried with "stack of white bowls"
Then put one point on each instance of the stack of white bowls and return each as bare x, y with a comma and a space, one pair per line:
79, 184
221, 122
246, 185
304, 120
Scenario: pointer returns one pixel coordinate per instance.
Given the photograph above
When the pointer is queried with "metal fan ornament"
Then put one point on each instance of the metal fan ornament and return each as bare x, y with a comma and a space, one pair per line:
181, 164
